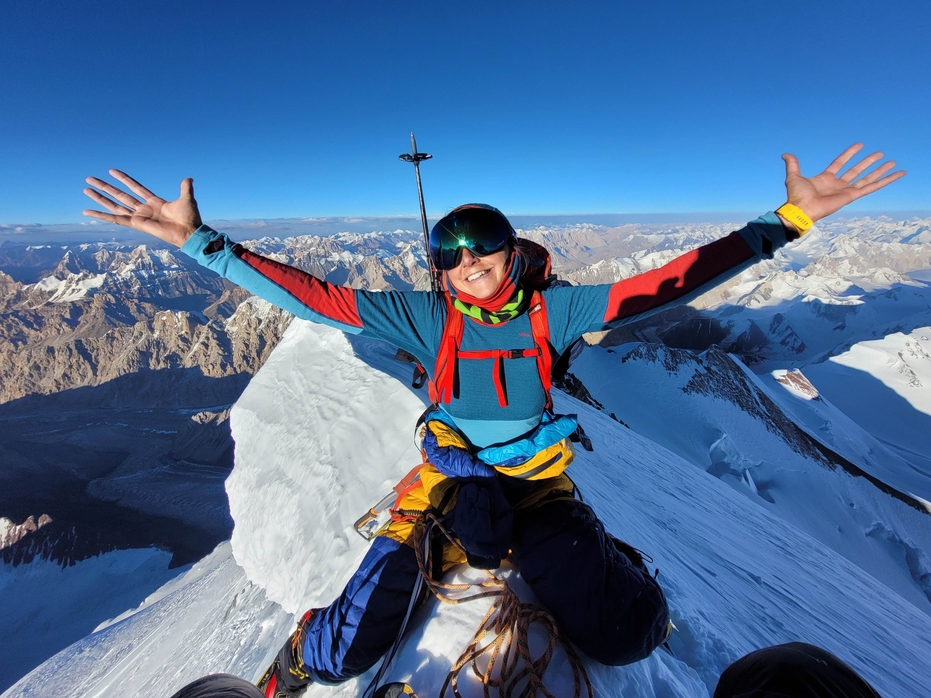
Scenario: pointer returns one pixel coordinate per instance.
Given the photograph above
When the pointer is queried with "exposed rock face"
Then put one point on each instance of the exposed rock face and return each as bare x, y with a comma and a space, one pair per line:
101, 311
92, 338
799, 383
715, 374
576, 388
102, 314
377, 261
205, 439
8, 287
11, 533
170, 339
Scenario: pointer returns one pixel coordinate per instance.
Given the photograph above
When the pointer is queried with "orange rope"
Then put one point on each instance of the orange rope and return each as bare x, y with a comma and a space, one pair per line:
508, 620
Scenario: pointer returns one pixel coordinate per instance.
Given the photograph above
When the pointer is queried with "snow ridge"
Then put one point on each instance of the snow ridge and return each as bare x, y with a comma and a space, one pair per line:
738, 574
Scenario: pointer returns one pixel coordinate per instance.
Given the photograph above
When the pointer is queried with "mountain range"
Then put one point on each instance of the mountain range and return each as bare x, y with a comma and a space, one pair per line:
120, 363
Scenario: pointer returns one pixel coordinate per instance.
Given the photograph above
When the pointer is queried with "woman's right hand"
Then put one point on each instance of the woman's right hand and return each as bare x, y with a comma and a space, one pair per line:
171, 221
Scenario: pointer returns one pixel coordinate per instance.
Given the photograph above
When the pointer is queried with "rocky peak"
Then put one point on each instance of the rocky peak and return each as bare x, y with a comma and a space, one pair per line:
71, 263
797, 382
11, 533
8, 287
103, 314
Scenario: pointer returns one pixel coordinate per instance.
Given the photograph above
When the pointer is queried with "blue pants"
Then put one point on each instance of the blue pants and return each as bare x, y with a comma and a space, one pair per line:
609, 608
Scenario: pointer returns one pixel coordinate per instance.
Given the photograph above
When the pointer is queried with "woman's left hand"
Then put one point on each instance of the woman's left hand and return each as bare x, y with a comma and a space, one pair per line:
823, 194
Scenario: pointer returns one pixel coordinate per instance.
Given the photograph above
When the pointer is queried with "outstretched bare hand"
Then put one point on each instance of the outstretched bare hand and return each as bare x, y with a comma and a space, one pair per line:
823, 194
171, 221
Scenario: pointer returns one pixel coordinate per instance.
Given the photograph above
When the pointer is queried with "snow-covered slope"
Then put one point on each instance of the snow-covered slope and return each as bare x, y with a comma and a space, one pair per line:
885, 386
328, 436
738, 576
825, 421
720, 417
32, 631
209, 620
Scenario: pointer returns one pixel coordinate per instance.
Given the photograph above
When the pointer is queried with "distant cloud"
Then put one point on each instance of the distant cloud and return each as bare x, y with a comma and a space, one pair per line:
90, 231
93, 230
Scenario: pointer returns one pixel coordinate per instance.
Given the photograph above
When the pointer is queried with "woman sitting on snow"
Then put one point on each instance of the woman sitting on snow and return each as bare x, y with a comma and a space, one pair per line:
497, 453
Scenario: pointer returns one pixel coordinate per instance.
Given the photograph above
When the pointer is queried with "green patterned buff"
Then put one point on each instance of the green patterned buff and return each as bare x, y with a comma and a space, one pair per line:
509, 310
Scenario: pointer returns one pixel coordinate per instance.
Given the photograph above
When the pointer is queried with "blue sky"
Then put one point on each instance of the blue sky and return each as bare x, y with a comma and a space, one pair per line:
301, 109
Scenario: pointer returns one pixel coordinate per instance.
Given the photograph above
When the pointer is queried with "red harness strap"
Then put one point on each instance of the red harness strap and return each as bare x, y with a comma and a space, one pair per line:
444, 375
540, 327
442, 386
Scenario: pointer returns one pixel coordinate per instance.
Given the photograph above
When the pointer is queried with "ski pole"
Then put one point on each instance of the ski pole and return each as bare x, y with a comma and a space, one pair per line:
417, 158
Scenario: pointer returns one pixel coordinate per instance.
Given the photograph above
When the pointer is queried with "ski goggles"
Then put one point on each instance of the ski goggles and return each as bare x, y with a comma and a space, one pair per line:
482, 229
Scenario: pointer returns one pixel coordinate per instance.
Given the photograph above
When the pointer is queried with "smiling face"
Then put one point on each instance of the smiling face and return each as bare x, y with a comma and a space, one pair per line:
479, 276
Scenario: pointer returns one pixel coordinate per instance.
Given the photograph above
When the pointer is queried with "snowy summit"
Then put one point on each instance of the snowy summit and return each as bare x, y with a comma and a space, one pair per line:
738, 575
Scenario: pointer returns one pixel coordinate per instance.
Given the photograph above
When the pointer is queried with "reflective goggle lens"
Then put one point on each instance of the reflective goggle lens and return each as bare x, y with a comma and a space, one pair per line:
482, 230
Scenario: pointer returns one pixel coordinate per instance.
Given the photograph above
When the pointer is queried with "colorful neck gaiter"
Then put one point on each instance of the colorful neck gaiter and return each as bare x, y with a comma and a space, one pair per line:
508, 311
507, 302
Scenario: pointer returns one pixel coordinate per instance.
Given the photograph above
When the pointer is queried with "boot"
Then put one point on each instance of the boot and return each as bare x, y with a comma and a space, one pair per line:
286, 677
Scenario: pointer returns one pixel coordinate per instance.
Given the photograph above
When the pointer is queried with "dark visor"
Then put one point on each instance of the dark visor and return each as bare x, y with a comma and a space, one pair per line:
484, 230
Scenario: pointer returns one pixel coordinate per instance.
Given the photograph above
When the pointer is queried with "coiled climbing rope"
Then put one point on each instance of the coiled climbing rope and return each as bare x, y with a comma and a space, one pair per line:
508, 621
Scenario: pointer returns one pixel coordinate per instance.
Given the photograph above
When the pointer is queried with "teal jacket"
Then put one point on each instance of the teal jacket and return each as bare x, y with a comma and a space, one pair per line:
414, 320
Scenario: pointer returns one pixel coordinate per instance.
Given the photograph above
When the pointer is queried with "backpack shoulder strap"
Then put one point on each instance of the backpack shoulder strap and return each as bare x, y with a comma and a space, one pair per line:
539, 325
444, 374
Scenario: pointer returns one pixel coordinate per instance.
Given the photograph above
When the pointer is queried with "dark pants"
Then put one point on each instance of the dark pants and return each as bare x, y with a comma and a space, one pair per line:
610, 609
